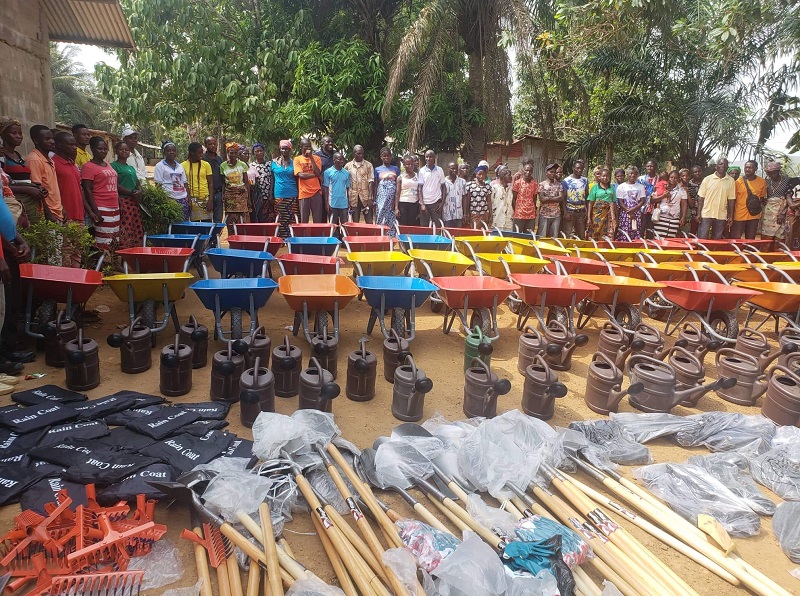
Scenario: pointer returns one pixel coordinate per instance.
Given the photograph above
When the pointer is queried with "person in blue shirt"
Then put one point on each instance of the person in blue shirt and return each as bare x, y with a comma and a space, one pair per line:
335, 182
577, 188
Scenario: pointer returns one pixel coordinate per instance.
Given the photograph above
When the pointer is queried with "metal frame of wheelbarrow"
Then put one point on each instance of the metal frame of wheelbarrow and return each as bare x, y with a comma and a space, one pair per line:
451, 313
219, 313
169, 311
586, 313
301, 319
380, 315
527, 310
792, 323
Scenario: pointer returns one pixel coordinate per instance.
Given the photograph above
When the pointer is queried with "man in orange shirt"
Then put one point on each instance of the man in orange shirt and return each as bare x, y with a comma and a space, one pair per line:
743, 220
308, 169
43, 171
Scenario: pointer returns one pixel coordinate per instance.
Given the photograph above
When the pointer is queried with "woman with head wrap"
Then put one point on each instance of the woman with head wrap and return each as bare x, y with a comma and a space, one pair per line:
263, 182
236, 190
631, 195
285, 187
479, 194
778, 213
131, 232
551, 203
14, 165
386, 176
170, 175
734, 172
601, 207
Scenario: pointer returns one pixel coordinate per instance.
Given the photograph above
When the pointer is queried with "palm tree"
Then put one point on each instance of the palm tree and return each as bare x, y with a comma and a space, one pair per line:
474, 29
74, 90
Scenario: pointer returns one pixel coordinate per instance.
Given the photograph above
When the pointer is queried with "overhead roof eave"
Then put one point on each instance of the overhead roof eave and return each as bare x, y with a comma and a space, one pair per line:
95, 22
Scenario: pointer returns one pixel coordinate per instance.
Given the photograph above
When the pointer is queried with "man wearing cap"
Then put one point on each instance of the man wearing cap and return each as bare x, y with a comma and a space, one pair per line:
716, 199
131, 138
551, 198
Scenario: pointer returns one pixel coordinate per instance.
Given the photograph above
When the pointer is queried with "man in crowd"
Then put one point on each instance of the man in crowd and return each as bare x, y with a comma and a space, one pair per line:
432, 190
308, 171
716, 199
43, 171
69, 177
325, 153
577, 189
131, 138
215, 161
453, 207
525, 189
336, 182
362, 183
81, 135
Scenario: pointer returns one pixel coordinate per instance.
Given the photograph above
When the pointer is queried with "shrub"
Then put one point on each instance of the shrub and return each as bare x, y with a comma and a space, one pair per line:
158, 210
56, 244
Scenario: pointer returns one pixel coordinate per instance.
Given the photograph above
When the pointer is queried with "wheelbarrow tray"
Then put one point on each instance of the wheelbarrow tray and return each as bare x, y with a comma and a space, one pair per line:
365, 229
372, 243
664, 256
775, 296
151, 259
53, 283
312, 230
627, 290
424, 241
179, 240
719, 256
769, 257
455, 232
760, 245
256, 229
197, 227
492, 263
416, 230
300, 264
505, 234
615, 254
246, 242
234, 293
669, 243
526, 247
381, 262
483, 291
236, 261
638, 244
482, 244
575, 243
727, 270
696, 296
560, 290
313, 245
658, 271
319, 292
149, 286
443, 263
398, 292
575, 265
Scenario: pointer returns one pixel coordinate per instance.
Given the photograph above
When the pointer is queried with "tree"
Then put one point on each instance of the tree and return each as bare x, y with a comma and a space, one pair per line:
74, 90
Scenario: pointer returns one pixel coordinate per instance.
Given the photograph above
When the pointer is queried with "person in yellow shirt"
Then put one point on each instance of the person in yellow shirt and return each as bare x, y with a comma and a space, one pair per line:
82, 136
200, 181
743, 220
716, 198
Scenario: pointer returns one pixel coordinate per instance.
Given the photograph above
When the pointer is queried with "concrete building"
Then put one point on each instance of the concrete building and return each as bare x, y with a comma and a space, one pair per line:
543, 151
26, 29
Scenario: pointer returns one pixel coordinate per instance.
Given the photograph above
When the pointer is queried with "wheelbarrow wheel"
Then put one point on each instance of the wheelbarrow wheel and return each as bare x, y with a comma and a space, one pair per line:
558, 313
236, 323
45, 314
659, 314
436, 306
320, 321
724, 323
628, 316
148, 315
514, 305
481, 317
399, 321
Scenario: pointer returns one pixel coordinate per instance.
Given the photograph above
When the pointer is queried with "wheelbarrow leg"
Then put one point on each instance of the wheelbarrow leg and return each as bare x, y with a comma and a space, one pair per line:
382, 316
29, 316
371, 322
296, 324
336, 320
218, 332
253, 314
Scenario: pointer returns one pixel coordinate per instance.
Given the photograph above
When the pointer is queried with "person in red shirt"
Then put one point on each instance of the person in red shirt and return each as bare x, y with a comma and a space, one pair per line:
69, 177
525, 189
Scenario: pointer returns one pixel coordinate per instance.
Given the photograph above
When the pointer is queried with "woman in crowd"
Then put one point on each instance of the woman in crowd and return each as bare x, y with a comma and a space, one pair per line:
671, 207
101, 187
386, 176
479, 193
29, 194
170, 175
406, 202
619, 178
236, 191
285, 187
631, 195
601, 214
262, 183
692, 186
502, 200
776, 209
199, 183
131, 232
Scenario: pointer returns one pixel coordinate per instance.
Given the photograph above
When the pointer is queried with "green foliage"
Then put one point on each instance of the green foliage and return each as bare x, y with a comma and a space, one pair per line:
53, 243
158, 210
75, 93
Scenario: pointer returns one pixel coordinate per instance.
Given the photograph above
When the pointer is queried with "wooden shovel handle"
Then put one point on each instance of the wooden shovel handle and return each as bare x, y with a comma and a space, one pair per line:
253, 579
201, 562
270, 551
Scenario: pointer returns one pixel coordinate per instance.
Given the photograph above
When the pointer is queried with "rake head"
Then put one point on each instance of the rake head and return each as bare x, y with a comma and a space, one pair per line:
111, 583
213, 541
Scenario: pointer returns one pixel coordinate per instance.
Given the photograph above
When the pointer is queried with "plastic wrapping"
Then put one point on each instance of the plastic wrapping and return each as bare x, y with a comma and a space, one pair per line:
161, 565
190, 591
609, 589
400, 459
429, 545
525, 584
402, 563
786, 436
574, 549
690, 491
542, 555
648, 426
610, 440
491, 517
230, 491
473, 569
779, 470
732, 470
729, 431
323, 484
273, 433
312, 587
786, 524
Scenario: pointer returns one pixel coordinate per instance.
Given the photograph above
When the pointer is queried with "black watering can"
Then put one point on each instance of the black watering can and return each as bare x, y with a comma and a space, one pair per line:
481, 389
176, 368
259, 345
410, 386
134, 347
326, 349
257, 393
287, 363
317, 388
55, 336
395, 350
227, 367
195, 335
362, 372
82, 366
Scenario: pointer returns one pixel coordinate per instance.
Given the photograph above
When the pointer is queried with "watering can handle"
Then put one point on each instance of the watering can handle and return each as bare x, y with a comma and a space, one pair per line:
753, 333
686, 353
133, 324
732, 352
176, 346
478, 331
650, 328
80, 339
315, 364
603, 357
363, 344
394, 334
193, 322
410, 360
649, 360
785, 370
230, 350
59, 316
256, 366
559, 325
481, 364
255, 331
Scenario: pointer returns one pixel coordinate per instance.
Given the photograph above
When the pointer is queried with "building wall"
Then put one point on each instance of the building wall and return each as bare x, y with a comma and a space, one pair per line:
26, 91
512, 154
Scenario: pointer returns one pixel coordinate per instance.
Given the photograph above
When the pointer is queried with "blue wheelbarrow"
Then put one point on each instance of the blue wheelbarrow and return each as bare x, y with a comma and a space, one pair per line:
199, 227
425, 242
234, 296
233, 262
325, 246
400, 295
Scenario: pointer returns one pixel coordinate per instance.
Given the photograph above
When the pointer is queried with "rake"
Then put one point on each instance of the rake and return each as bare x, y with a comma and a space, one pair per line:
115, 583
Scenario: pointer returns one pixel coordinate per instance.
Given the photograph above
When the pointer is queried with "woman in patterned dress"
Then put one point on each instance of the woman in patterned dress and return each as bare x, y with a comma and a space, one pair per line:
480, 197
385, 190
263, 182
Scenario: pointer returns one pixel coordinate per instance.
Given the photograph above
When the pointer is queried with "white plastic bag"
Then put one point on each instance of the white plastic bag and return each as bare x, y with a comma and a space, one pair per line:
786, 524
402, 563
399, 461
161, 565
230, 491
473, 569
611, 440
313, 587
648, 426
731, 469
779, 470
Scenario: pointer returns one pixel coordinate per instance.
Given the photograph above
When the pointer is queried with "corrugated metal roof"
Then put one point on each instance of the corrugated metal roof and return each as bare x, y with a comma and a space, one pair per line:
96, 22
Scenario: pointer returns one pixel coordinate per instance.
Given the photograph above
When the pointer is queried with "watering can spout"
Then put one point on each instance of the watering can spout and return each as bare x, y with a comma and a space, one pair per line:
693, 394
765, 359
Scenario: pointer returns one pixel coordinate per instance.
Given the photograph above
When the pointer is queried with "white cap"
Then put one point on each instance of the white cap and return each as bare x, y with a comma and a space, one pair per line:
127, 131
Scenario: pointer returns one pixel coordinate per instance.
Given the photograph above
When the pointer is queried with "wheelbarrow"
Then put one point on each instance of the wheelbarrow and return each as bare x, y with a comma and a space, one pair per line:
398, 294
294, 264
313, 245
568, 265
777, 300
234, 296
620, 298
212, 229
143, 292
424, 242
714, 305
270, 244
455, 232
379, 262
256, 229
155, 259
471, 245
197, 242
318, 294
364, 229
480, 293
368, 243
311, 230
416, 230
536, 248
783, 271
235, 262
503, 265
48, 286
438, 263
559, 294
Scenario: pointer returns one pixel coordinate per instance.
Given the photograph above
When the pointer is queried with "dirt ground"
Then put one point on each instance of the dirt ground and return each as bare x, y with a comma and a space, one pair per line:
441, 357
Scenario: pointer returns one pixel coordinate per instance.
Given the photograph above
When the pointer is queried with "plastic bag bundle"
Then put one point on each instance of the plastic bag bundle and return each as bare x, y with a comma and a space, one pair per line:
399, 460
402, 563
611, 440
161, 565
296, 434
450, 433
312, 587
732, 470
429, 545
473, 569
542, 555
574, 549
648, 426
524, 584
728, 431
786, 436
490, 517
690, 491
230, 491
786, 524
323, 484
779, 470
